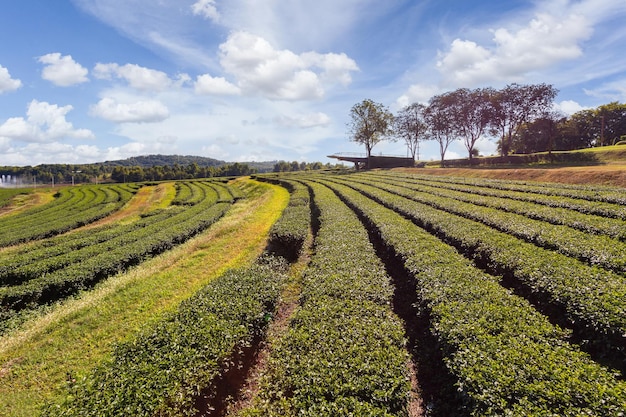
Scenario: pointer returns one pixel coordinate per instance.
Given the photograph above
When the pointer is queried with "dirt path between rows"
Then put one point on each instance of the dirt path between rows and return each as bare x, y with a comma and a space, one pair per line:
247, 389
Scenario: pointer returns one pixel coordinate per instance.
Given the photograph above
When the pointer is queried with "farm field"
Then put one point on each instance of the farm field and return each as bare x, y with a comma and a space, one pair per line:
383, 293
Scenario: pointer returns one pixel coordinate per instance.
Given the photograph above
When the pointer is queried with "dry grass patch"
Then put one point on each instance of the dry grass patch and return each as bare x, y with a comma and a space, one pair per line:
23, 202
147, 199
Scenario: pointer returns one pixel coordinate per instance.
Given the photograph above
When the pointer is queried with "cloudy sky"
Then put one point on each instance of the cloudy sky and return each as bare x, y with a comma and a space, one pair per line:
256, 80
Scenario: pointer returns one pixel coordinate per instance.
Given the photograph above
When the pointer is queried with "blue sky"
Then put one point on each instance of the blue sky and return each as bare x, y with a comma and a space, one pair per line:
256, 80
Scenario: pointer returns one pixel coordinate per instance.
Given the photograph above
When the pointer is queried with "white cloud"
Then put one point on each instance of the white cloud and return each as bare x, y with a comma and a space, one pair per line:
5, 145
304, 121
140, 78
417, 93
6, 82
206, 84
45, 122
546, 40
336, 68
206, 9
568, 107
19, 129
51, 153
63, 70
301, 24
281, 74
148, 111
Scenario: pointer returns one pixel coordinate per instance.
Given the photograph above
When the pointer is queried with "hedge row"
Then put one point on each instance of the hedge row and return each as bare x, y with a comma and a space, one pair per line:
586, 199
288, 234
344, 351
511, 202
58, 252
74, 207
593, 249
593, 192
107, 258
225, 192
8, 194
168, 366
591, 299
188, 193
507, 358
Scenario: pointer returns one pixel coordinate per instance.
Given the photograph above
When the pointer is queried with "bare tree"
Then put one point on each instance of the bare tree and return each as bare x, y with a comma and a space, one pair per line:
410, 124
370, 123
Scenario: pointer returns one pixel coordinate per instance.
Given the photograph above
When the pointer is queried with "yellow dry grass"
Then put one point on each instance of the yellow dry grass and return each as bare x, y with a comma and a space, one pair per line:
23, 202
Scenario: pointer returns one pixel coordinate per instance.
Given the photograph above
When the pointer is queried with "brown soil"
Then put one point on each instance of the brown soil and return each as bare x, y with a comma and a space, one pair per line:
612, 175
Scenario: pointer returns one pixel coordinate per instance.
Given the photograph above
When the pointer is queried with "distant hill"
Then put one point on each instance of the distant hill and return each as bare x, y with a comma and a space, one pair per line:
146, 161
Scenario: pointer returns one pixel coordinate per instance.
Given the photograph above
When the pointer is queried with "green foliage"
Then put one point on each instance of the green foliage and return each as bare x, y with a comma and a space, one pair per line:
59, 268
73, 207
288, 234
575, 213
507, 358
167, 365
344, 351
598, 250
7, 195
370, 123
592, 298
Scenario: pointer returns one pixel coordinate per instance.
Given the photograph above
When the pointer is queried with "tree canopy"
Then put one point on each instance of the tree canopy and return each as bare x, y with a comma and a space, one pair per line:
410, 124
522, 118
441, 119
515, 105
370, 122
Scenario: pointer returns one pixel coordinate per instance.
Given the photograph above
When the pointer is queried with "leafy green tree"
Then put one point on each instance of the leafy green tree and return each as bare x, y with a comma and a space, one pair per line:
516, 105
370, 123
612, 119
541, 135
473, 111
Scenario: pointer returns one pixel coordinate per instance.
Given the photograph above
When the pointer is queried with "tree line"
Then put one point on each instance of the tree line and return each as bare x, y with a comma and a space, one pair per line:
107, 172
284, 166
521, 118
88, 173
